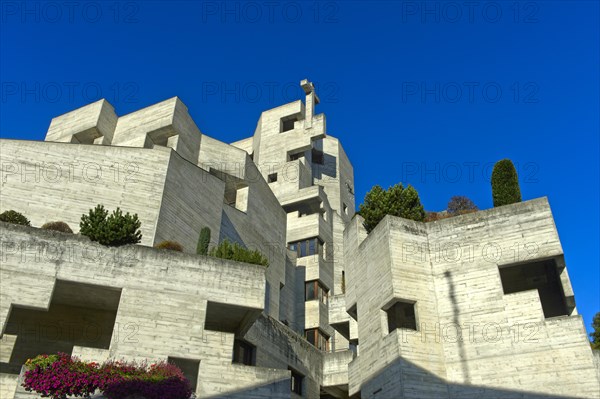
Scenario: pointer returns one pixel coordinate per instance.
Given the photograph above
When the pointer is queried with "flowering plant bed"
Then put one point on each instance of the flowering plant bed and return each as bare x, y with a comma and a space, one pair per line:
62, 375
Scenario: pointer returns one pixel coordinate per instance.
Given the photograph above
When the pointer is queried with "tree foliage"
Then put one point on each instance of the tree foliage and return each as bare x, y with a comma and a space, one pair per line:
459, 204
203, 241
596, 334
235, 251
112, 230
14, 217
396, 201
505, 183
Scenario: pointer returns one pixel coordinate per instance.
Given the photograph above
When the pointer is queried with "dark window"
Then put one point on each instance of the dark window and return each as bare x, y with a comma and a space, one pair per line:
296, 382
311, 246
401, 315
272, 178
316, 290
317, 338
297, 155
287, 124
244, 353
189, 367
318, 157
542, 276
345, 209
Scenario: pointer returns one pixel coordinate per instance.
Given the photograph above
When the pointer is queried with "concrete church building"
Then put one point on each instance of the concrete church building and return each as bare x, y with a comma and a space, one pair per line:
474, 306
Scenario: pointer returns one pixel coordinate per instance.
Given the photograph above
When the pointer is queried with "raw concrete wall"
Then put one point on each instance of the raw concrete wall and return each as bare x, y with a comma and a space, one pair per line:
472, 340
280, 347
59, 181
192, 199
163, 306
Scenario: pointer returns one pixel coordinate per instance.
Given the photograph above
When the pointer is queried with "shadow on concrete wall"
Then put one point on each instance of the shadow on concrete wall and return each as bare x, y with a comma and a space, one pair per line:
328, 168
402, 379
456, 320
275, 390
228, 230
79, 315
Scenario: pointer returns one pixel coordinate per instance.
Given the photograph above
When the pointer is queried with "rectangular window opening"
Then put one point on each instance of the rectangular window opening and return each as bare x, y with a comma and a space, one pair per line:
401, 315
296, 382
311, 246
287, 123
542, 276
317, 338
190, 368
272, 178
298, 155
244, 353
316, 290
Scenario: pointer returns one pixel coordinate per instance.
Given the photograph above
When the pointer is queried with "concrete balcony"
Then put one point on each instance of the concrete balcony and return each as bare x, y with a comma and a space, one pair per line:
300, 228
317, 268
316, 315
291, 177
335, 372
339, 318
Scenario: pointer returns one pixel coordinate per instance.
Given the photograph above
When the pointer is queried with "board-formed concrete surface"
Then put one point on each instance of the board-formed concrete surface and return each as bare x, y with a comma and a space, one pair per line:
475, 306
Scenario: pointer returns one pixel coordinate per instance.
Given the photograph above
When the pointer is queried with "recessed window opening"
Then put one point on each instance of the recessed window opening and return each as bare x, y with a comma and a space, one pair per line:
401, 315
317, 338
297, 381
542, 276
287, 123
311, 246
296, 156
272, 178
316, 290
244, 353
190, 368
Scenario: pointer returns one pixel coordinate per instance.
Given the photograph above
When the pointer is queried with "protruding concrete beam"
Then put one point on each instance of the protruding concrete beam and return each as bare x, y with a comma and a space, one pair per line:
311, 100
92, 124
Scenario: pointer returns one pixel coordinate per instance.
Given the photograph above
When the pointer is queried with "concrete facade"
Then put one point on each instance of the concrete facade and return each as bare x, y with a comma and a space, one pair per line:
477, 306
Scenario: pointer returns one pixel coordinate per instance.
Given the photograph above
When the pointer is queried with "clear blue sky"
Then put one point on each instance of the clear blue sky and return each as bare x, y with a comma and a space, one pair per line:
427, 96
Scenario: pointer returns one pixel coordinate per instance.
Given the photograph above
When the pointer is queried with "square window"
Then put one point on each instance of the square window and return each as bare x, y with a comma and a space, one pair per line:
401, 315
272, 178
244, 353
287, 124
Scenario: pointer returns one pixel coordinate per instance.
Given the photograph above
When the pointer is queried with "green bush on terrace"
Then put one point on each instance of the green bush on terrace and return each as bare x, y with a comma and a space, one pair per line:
14, 217
115, 229
227, 250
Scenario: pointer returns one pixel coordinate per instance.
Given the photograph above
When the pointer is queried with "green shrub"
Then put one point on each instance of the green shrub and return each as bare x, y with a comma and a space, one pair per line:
58, 226
14, 217
235, 251
396, 200
595, 335
203, 241
114, 230
171, 245
505, 183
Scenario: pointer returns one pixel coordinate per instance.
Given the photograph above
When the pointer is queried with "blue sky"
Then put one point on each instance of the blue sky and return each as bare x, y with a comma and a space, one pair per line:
430, 95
